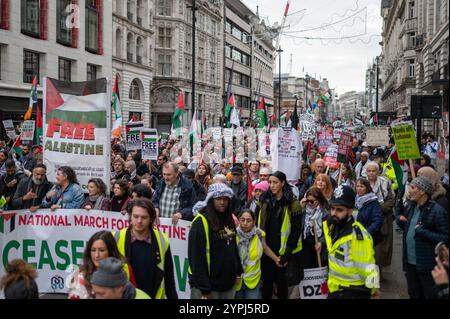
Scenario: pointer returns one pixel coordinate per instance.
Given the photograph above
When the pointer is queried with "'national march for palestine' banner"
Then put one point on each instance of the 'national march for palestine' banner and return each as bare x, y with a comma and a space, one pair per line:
77, 128
54, 243
149, 138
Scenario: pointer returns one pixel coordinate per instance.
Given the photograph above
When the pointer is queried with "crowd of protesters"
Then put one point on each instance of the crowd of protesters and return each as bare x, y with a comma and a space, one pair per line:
253, 231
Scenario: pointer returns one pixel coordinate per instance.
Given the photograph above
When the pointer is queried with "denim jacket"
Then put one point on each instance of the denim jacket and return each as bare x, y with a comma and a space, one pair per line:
71, 198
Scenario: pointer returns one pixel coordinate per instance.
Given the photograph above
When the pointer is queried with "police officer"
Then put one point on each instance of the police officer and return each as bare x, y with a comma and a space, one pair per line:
353, 273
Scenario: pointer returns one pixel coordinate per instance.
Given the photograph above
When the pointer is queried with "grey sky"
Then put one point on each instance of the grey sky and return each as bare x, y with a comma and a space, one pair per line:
343, 63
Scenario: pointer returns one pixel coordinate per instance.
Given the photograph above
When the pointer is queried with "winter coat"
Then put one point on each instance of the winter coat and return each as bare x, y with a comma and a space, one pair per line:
24, 187
433, 228
241, 192
28, 162
370, 217
440, 197
105, 205
10, 191
72, 197
187, 198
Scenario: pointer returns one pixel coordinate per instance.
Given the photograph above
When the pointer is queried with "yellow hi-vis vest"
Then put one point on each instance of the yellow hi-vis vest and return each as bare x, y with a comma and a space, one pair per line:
351, 260
252, 271
141, 295
206, 228
389, 172
163, 245
285, 232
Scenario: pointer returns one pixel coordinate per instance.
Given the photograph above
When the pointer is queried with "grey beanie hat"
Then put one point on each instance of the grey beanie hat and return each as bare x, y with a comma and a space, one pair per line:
109, 274
424, 184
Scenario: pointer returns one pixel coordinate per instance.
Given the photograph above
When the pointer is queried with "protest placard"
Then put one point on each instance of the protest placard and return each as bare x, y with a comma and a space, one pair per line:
149, 149
308, 128
9, 128
27, 131
324, 139
345, 145
310, 286
377, 136
405, 142
77, 129
330, 156
133, 135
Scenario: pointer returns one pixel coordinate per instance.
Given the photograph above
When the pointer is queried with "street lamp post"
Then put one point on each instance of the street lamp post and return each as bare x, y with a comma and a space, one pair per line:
279, 51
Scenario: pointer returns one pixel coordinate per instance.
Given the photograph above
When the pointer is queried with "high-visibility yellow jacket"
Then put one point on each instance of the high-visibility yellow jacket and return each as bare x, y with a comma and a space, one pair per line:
351, 260
252, 271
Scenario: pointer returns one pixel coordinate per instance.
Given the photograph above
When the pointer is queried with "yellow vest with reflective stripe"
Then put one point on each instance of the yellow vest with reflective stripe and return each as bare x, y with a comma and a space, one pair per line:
206, 228
389, 172
351, 261
252, 271
285, 232
163, 246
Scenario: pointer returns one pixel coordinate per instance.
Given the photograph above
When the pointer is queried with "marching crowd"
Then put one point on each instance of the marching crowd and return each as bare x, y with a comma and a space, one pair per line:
253, 232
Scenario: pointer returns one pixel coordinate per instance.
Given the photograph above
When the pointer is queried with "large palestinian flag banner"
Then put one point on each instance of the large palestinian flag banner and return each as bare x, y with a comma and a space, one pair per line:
77, 128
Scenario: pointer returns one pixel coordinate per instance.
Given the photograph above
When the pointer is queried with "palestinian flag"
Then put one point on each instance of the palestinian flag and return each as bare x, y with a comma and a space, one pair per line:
16, 147
400, 168
33, 99
38, 127
228, 108
7, 221
194, 134
116, 131
177, 115
261, 113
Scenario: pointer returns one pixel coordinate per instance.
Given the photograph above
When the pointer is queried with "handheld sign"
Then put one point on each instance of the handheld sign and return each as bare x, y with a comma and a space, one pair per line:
405, 142
325, 139
377, 136
149, 138
330, 157
133, 131
27, 131
9, 128
345, 144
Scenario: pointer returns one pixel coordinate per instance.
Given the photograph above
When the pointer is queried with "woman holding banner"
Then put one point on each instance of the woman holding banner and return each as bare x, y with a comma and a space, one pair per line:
97, 196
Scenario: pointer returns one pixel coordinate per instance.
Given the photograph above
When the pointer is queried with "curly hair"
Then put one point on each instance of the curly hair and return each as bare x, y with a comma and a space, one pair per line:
100, 184
70, 174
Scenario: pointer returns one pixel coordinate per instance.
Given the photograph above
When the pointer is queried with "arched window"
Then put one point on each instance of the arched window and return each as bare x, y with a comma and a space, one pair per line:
130, 47
119, 39
139, 50
135, 90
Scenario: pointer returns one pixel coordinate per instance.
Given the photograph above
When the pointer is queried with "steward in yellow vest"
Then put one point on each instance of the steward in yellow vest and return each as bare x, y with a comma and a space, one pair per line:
353, 273
214, 264
147, 251
280, 218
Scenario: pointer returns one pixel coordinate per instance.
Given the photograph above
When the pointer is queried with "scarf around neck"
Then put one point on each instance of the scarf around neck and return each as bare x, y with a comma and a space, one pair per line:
313, 216
245, 240
97, 200
360, 201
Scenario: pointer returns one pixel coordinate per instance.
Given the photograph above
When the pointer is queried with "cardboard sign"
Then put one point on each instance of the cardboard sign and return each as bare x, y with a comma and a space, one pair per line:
164, 137
27, 131
149, 137
344, 147
405, 142
308, 128
310, 286
133, 131
330, 157
325, 139
9, 128
377, 136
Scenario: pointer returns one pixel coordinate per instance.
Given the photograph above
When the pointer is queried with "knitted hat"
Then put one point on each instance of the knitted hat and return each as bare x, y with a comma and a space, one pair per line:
214, 191
264, 186
236, 170
424, 184
109, 274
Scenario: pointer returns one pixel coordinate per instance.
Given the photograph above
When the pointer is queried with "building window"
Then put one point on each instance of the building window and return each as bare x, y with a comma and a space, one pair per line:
92, 26
412, 11
65, 68
213, 28
188, 43
188, 67
119, 43
135, 90
213, 54
212, 73
130, 10
30, 66
30, 17
201, 21
228, 27
139, 12
201, 49
139, 50
165, 7
164, 65
201, 71
411, 68
130, 46
412, 39
165, 37
91, 72
4, 14
63, 31
228, 51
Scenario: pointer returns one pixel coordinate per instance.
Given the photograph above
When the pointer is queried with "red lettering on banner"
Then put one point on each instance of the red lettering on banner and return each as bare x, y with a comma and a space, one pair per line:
30, 221
78, 220
69, 130
22, 220
183, 233
173, 231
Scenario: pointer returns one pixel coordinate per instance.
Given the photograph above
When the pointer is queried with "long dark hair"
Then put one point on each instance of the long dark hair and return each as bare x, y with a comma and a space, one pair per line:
288, 195
88, 266
100, 184
70, 173
214, 219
